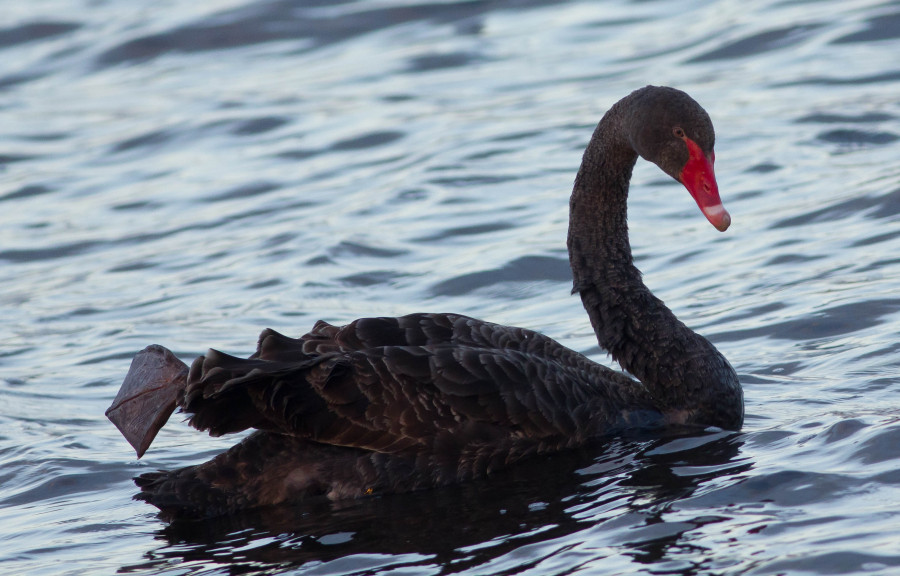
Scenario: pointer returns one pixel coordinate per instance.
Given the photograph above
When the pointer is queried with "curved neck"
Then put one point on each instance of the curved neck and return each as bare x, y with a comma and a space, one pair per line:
599, 249
681, 369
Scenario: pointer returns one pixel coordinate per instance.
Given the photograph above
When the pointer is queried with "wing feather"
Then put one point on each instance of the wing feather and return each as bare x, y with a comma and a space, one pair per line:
401, 385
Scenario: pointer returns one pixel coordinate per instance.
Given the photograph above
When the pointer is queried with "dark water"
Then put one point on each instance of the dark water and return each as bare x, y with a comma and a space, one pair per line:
190, 173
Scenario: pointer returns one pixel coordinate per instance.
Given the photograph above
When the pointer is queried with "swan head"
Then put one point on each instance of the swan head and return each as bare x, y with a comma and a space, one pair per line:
669, 128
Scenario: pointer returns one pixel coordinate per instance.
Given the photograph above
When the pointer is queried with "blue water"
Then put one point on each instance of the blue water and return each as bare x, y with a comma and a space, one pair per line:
188, 173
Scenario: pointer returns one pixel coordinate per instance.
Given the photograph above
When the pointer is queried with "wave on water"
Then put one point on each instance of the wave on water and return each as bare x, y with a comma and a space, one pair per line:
191, 173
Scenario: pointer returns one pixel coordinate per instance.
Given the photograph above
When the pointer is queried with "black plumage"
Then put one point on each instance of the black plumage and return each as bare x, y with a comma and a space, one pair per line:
399, 404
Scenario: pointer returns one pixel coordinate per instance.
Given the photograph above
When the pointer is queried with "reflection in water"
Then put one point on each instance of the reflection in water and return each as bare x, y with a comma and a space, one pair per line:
478, 523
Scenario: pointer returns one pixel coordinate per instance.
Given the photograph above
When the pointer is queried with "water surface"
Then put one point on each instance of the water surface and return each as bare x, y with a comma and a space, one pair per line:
190, 173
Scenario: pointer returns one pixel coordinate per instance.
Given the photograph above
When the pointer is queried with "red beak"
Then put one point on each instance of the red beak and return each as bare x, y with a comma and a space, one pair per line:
700, 180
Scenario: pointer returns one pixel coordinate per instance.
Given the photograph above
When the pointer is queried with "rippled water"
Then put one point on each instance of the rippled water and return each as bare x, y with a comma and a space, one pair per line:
190, 173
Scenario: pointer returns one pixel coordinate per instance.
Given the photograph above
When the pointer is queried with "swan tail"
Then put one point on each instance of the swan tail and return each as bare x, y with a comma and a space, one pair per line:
226, 394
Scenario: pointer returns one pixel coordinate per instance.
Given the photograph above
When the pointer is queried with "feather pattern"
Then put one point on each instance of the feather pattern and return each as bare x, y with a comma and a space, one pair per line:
398, 404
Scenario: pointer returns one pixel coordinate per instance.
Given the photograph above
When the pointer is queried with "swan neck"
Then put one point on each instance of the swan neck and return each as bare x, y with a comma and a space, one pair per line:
681, 369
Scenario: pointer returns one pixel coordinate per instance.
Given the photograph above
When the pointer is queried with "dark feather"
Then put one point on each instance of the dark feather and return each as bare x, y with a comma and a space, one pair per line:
396, 404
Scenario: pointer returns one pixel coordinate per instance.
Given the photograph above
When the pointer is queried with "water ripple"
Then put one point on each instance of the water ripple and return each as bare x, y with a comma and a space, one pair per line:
189, 173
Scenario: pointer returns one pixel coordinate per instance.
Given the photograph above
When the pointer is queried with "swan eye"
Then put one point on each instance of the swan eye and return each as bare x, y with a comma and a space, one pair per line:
679, 133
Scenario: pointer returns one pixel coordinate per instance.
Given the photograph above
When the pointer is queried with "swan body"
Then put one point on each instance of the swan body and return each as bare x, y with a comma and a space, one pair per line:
399, 404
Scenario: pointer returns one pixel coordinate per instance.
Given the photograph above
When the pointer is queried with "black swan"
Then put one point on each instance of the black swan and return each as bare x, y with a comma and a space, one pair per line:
398, 404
